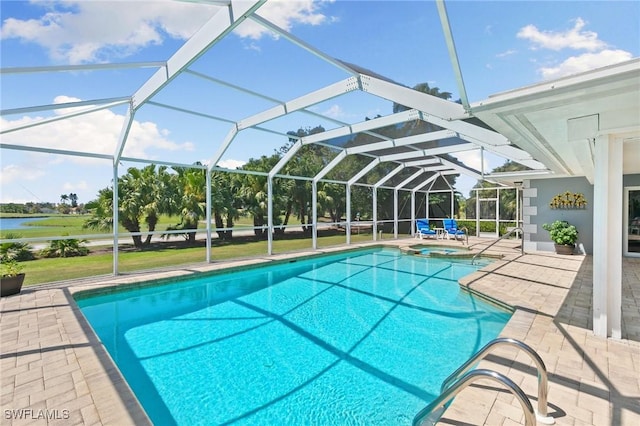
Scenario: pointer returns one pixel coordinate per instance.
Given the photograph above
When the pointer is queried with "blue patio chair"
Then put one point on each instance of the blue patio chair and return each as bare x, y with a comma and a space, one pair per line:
423, 229
451, 229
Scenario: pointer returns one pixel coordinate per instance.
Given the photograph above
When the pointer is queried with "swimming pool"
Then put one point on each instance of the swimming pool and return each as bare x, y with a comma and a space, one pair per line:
362, 337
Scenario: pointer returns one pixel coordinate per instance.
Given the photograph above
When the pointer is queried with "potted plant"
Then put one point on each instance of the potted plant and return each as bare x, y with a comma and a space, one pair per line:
563, 234
11, 277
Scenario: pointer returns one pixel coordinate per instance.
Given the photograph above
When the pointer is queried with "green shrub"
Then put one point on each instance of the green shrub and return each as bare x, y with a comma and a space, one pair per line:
65, 248
15, 250
561, 232
10, 268
484, 226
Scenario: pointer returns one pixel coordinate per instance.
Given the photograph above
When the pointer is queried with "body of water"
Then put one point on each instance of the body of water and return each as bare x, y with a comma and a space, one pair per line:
10, 223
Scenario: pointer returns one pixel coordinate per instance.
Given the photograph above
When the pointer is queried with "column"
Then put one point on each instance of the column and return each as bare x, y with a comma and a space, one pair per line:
607, 237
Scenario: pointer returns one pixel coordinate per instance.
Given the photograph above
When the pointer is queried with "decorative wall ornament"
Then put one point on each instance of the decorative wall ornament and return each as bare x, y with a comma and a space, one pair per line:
568, 200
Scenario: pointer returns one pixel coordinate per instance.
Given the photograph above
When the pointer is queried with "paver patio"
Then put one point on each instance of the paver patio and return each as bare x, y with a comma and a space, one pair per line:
54, 370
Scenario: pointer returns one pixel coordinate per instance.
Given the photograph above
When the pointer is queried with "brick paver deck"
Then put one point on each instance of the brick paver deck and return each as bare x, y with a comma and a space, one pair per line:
54, 370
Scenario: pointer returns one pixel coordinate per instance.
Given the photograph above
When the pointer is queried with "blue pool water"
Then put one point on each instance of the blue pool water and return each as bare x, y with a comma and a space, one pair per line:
441, 250
361, 337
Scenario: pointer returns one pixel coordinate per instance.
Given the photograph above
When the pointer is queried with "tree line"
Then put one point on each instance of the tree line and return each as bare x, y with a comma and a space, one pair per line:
146, 193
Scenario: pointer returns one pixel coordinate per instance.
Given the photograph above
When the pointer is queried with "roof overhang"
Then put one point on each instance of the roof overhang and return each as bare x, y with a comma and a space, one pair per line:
557, 121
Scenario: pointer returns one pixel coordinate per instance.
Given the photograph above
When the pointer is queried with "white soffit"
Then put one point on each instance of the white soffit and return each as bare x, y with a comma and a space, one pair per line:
535, 118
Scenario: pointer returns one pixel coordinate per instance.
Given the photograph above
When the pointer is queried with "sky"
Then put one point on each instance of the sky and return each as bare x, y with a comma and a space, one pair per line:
502, 45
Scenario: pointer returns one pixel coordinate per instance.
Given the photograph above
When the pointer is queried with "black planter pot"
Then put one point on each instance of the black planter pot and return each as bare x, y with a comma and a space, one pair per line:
11, 285
564, 248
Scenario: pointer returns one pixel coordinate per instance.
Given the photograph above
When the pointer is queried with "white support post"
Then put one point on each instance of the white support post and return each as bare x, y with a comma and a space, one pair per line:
607, 240
348, 213
375, 213
314, 214
453, 209
208, 215
518, 224
395, 213
269, 215
477, 213
413, 211
426, 205
124, 132
115, 218
497, 212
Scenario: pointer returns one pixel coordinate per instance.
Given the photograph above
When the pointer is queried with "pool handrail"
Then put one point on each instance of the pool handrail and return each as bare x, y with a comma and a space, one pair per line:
499, 239
468, 379
543, 386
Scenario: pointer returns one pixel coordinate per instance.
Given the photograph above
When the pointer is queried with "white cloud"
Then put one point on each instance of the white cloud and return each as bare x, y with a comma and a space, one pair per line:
506, 53
92, 31
16, 173
96, 133
285, 14
96, 31
574, 38
68, 186
598, 54
231, 164
335, 111
585, 62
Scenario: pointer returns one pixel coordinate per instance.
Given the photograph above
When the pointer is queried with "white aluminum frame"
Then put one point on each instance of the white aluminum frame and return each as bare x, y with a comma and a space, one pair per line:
448, 115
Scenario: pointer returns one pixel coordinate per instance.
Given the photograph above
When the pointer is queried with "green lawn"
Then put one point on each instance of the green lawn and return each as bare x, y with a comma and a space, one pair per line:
172, 253
59, 225
59, 269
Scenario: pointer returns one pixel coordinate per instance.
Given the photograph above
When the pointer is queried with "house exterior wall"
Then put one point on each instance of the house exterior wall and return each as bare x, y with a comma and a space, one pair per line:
537, 194
536, 210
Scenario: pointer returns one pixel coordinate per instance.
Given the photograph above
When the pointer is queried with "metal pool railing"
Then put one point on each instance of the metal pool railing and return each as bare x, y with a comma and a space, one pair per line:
499, 239
461, 378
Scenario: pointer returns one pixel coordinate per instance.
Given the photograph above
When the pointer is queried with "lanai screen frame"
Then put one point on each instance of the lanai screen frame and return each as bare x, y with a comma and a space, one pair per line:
452, 118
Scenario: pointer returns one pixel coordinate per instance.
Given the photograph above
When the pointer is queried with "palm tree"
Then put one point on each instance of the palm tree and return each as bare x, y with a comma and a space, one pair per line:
224, 194
74, 199
254, 195
190, 184
143, 195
